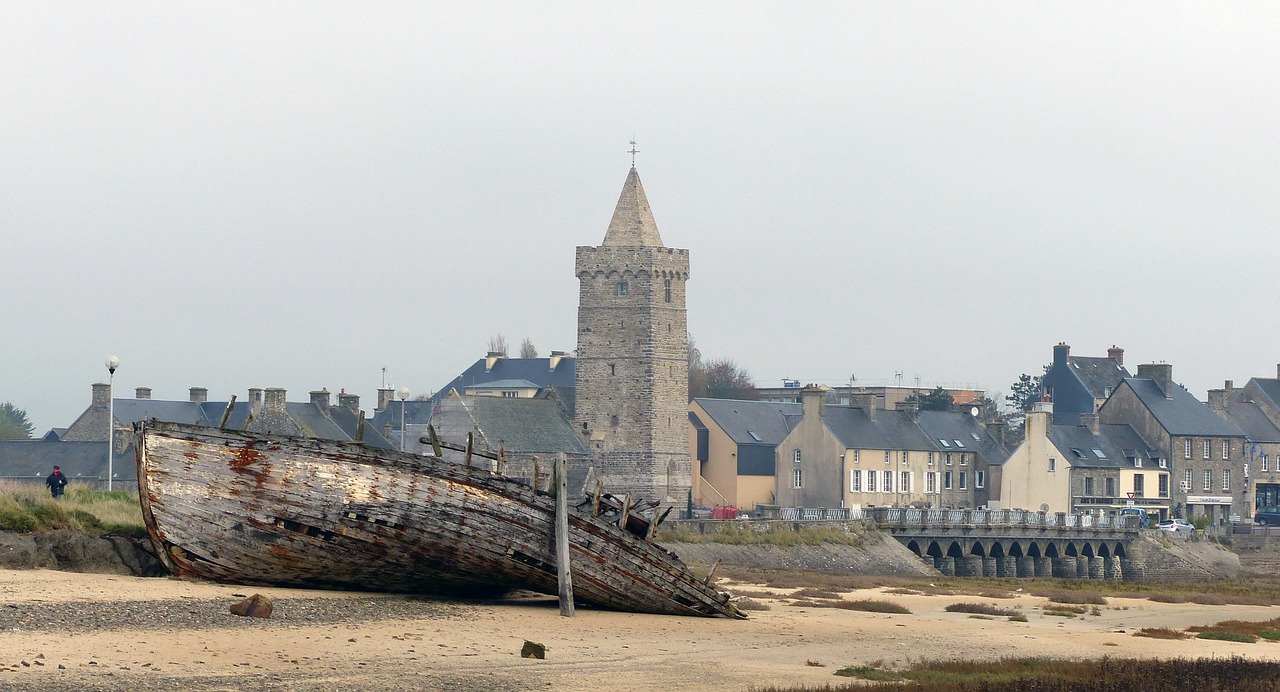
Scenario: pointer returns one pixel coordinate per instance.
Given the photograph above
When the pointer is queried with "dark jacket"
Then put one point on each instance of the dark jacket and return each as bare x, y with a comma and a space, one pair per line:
56, 482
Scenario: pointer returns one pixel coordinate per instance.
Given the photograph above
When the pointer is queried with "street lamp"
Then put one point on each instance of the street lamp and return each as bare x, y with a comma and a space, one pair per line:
403, 393
112, 363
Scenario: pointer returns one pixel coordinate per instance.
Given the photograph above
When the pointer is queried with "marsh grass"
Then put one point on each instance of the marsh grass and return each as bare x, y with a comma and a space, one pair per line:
814, 593
1071, 597
1161, 633
785, 536
1244, 628
1227, 636
1051, 675
27, 508
1060, 613
981, 609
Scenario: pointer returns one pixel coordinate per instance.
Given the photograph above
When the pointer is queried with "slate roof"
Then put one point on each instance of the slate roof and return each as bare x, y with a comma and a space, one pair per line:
523, 426
506, 384
415, 413
891, 430
964, 427
1250, 418
1099, 375
1182, 414
1269, 387
1119, 444
738, 418
33, 460
535, 370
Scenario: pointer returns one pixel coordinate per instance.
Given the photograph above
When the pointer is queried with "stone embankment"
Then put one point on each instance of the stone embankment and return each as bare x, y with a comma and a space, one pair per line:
71, 551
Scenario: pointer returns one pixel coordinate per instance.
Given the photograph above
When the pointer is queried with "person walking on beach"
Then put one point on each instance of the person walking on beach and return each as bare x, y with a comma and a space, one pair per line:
56, 482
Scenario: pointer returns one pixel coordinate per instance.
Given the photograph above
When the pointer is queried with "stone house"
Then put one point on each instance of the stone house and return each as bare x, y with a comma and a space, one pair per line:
1255, 409
863, 456
1205, 451
1084, 468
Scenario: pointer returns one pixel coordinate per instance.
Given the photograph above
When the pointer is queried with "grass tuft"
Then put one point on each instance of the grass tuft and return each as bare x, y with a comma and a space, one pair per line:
27, 508
981, 608
1161, 633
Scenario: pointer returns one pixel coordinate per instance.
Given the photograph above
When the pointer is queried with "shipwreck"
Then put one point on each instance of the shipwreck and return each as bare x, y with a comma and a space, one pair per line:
251, 508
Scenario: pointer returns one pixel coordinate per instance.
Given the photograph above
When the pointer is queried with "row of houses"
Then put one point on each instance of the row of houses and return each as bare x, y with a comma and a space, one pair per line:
1101, 439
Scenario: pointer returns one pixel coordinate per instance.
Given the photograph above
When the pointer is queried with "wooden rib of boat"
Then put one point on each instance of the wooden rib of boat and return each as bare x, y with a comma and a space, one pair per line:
265, 509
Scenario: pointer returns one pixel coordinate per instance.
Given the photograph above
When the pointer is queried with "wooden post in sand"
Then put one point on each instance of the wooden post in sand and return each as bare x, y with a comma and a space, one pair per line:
563, 572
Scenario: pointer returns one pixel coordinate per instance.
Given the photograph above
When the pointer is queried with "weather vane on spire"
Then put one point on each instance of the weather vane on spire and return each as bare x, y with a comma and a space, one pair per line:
633, 152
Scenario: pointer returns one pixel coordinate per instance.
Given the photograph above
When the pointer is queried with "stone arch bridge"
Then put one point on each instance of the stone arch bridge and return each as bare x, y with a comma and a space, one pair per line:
1013, 543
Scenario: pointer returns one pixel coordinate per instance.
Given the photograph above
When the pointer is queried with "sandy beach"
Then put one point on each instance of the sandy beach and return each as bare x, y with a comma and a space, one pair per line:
61, 630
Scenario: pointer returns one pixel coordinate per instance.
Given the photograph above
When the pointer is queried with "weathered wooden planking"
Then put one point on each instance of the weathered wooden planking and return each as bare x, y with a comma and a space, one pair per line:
262, 509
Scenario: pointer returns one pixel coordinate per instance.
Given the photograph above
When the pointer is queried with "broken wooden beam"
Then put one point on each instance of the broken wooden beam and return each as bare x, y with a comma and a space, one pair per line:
564, 573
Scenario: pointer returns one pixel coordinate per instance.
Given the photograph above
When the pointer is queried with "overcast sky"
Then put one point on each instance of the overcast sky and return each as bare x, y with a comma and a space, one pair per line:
236, 195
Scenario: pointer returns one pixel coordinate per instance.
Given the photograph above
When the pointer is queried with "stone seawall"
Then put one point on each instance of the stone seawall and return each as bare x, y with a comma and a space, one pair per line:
70, 551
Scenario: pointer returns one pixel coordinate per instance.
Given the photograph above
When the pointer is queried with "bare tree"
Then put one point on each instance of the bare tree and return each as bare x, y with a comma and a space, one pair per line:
498, 344
719, 378
527, 349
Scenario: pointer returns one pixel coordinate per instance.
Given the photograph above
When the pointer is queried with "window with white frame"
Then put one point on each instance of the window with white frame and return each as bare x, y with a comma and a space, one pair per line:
904, 482
1264, 461
1226, 479
855, 481
856, 456
1139, 485
1206, 449
797, 478
795, 456
963, 478
886, 456
886, 481
931, 482
948, 458
1164, 485
931, 460
871, 481
1186, 478
1226, 449
904, 457
946, 480
964, 459
1208, 480
1186, 449
979, 479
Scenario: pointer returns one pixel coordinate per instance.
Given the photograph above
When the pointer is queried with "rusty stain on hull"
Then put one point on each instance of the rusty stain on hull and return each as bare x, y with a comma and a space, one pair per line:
336, 514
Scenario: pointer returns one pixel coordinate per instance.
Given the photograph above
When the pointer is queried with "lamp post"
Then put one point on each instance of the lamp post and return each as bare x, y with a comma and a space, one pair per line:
112, 363
403, 393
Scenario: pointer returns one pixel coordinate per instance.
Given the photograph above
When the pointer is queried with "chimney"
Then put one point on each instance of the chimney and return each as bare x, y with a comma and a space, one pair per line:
1090, 421
320, 398
1039, 418
101, 395
813, 399
1116, 353
199, 395
142, 393
1218, 397
556, 357
1162, 373
349, 401
911, 407
384, 397
274, 402
1060, 353
492, 359
866, 402
255, 401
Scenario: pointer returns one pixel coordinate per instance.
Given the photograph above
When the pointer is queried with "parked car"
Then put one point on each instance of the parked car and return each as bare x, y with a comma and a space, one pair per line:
1267, 516
1176, 526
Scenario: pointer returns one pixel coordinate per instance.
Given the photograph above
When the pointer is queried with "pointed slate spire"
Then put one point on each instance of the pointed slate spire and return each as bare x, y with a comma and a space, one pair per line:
632, 224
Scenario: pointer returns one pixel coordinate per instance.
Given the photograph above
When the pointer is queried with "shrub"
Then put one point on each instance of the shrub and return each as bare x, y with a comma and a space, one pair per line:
868, 673
1061, 613
1018, 618
815, 593
1072, 597
751, 604
1273, 635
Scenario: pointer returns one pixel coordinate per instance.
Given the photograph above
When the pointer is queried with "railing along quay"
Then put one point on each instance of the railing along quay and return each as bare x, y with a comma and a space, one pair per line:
907, 517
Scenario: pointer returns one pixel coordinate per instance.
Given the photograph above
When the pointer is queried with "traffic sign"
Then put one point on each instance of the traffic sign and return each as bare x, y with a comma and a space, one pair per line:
1130, 496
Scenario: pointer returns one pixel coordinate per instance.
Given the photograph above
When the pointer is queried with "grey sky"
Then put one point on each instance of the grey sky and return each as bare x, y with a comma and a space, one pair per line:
233, 195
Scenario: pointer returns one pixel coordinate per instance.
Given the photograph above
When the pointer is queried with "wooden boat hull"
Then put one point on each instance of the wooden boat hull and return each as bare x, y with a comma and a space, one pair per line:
263, 509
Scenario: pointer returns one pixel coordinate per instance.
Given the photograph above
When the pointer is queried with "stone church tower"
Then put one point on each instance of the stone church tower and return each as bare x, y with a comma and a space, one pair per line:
633, 363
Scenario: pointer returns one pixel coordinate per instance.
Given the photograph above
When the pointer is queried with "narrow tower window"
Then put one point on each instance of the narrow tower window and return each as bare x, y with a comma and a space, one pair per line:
622, 288
667, 285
